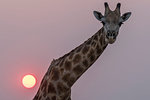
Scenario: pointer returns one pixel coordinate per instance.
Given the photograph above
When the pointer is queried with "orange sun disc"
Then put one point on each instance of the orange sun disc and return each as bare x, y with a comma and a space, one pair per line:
28, 81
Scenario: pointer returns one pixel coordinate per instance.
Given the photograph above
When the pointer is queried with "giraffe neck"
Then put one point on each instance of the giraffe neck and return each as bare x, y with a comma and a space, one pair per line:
82, 57
66, 70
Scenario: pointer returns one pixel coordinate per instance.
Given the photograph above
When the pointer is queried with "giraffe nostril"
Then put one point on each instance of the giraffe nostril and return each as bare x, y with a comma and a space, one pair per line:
113, 34
109, 33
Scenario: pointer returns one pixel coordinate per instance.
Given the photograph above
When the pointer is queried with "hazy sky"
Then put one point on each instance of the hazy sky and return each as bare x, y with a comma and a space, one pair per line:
33, 32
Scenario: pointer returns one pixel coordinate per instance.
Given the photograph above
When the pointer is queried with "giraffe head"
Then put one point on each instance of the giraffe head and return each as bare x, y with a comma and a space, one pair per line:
112, 21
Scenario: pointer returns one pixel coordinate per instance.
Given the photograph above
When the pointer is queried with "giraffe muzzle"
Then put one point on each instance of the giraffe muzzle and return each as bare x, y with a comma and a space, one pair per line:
110, 39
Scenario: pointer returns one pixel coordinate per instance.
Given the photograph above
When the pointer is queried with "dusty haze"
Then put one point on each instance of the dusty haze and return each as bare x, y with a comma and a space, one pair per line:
33, 32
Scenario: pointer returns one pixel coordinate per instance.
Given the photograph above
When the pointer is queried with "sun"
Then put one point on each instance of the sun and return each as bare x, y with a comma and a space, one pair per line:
29, 81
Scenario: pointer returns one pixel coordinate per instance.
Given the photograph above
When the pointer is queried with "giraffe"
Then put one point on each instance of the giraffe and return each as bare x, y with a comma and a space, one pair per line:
65, 71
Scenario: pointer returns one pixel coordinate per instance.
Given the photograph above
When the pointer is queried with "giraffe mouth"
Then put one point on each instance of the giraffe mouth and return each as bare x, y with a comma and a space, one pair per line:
110, 40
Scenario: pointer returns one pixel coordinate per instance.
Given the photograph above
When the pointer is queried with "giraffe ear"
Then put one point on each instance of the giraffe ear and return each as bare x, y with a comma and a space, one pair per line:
98, 15
125, 16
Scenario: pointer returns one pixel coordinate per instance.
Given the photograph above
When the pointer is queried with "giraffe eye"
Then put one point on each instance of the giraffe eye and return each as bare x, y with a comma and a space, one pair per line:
103, 23
120, 23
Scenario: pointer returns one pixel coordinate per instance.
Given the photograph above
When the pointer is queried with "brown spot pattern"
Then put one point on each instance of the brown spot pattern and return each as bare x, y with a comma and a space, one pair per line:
85, 63
45, 91
77, 58
91, 55
85, 49
71, 55
99, 32
61, 70
68, 65
64, 97
92, 58
98, 50
51, 88
39, 98
61, 87
79, 49
43, 84
89, 42
96, 38
62, 62
55, 74
66, 77
71, 81
47, 98
93, 44
78, 69
101, 40
54, 98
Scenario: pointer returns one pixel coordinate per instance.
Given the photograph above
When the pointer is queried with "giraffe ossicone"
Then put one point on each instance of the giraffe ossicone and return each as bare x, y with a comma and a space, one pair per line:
65, 71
